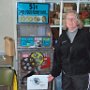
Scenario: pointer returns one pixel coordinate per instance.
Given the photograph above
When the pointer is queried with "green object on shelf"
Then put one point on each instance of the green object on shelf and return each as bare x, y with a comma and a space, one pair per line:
87, 21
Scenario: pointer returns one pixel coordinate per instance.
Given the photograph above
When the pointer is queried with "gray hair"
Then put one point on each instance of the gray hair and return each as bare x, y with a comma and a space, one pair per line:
80, 23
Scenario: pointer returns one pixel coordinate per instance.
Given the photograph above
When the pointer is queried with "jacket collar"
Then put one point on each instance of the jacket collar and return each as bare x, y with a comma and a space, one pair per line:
65, 35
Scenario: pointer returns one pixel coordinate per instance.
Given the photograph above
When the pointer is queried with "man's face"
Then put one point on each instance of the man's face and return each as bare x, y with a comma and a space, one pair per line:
71, 21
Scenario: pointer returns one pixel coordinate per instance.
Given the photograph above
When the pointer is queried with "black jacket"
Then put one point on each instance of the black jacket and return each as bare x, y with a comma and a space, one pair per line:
72, 58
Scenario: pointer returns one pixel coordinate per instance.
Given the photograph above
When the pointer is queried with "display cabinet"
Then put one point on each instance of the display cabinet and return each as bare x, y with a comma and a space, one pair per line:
34, 41
81, 6
84, 12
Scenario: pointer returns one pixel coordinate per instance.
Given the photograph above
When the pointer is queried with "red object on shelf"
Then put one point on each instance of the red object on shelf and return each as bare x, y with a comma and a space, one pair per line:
84, 14
46, 63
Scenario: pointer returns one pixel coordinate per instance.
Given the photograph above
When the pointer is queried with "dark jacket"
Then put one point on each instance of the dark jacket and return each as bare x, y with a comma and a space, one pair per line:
72, 58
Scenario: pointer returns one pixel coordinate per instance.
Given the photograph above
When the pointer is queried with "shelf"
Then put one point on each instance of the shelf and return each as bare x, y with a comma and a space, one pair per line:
54, 26
35, 48
86, 25
85, 1
26, 0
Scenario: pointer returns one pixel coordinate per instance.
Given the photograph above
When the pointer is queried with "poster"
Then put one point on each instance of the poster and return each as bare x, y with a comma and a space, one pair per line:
32, 12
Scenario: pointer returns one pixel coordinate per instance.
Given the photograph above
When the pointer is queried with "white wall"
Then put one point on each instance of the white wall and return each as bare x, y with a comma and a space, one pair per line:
7, 20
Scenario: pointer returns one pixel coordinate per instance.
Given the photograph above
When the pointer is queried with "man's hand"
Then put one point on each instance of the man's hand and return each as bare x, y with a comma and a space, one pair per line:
50, 78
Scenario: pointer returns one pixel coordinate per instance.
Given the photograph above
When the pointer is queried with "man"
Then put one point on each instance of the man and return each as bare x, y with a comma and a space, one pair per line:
72, 55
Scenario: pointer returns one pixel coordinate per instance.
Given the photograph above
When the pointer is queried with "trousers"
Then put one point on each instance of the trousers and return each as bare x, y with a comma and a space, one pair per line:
75, 82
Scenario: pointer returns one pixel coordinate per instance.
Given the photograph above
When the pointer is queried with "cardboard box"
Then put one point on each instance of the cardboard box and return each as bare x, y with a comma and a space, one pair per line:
9, 46
56, 21
68, 7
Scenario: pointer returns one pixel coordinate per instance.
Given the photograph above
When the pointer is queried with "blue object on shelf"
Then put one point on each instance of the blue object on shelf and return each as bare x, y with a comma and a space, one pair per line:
46, 42
26, 41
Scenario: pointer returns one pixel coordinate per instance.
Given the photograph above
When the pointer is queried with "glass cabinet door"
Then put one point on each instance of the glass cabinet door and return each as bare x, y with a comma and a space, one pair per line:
84, 12
54, 15
69, 6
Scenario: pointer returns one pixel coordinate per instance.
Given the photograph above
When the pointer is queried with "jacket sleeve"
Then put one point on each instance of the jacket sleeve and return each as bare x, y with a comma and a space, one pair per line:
56, 69
88, 35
